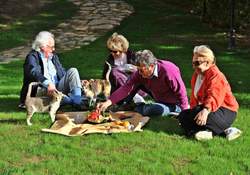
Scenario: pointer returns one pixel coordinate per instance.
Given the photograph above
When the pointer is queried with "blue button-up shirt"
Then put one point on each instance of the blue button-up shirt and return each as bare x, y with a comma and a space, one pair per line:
49, 70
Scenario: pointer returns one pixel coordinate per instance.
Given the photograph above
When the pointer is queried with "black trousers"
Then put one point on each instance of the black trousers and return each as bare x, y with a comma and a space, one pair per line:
217, 121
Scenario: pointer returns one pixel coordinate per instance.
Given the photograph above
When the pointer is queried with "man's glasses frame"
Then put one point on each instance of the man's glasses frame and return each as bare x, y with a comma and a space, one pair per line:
51, 47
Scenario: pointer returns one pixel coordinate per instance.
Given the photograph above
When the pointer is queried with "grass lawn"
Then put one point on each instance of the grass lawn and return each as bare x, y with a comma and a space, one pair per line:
166, 28
22, 29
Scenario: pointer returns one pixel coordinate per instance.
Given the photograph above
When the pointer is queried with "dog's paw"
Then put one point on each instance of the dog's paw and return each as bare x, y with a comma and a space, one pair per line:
29, 123
53, 118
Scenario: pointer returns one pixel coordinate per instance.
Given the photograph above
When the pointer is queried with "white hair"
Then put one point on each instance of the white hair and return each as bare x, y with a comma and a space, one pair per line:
42, 39
205, 53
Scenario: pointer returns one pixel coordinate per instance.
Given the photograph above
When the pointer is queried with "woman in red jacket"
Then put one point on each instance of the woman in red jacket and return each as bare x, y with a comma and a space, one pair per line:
213, 108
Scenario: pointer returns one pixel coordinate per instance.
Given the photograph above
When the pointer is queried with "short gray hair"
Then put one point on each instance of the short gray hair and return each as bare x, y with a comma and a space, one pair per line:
42, 38
145, 57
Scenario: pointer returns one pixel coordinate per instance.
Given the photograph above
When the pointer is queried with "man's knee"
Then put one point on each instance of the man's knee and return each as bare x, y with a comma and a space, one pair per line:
150, 109
73, 71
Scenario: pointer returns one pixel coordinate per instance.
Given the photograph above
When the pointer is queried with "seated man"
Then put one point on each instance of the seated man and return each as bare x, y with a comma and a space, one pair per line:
161, 79
43, 65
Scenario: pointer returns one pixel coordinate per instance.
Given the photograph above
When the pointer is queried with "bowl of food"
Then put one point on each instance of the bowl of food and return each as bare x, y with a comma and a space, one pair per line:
96, 116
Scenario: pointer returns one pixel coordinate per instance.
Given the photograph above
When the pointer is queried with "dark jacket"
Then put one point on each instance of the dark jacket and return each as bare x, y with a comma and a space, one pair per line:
130, 59
33, 71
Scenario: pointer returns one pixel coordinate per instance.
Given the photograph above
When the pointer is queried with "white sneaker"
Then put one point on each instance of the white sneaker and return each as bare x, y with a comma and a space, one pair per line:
138, 99
174, 115
204, 135
232, 133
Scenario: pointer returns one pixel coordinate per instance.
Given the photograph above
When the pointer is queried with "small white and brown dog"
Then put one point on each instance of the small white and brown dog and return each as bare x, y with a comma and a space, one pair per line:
42, 104
94, 87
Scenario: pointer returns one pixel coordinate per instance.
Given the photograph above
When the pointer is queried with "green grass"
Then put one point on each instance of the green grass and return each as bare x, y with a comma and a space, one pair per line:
170, 32
22, 29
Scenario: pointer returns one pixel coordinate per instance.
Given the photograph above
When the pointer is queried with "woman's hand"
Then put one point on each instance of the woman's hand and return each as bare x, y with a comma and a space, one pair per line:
201, 117
130, 68
104, 105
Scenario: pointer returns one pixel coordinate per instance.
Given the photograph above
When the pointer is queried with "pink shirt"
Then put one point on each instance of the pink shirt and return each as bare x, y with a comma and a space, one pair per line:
166, 87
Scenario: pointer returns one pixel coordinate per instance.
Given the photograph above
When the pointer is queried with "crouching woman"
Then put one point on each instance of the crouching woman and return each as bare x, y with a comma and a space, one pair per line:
213, 107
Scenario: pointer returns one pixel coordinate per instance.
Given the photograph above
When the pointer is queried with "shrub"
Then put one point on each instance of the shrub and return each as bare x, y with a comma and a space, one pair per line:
217, 13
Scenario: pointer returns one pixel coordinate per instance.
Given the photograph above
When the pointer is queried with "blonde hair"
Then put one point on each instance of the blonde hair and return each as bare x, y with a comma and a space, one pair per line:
205, 53
42, 38
117, 43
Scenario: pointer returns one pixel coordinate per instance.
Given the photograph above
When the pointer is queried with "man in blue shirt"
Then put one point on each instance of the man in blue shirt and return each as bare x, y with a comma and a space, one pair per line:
43, 65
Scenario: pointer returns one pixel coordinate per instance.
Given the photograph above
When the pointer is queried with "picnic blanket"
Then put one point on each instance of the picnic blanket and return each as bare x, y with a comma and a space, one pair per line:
76, 124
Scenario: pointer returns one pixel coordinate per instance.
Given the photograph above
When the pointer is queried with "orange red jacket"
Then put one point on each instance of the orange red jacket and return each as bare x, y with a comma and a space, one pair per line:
215, 91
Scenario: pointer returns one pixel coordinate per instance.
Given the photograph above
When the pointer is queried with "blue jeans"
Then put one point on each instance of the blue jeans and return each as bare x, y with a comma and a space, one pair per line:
159, 109
70, 84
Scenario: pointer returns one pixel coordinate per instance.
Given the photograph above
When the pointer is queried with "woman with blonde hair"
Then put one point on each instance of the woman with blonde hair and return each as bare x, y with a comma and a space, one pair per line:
213, 107
122, 60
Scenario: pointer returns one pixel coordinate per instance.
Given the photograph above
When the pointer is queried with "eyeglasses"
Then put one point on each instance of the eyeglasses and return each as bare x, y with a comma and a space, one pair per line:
141, 69
114, 51
51, 47
197, 63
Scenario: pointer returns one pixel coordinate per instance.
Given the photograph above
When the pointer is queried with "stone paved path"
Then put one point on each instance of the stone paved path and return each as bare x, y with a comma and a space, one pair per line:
94, 19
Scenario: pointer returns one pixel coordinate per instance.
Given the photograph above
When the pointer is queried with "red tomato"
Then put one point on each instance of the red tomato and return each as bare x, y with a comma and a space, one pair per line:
94, 115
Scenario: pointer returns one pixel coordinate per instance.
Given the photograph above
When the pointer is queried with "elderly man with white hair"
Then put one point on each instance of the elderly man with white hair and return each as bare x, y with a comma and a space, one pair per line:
42, 65
159, 78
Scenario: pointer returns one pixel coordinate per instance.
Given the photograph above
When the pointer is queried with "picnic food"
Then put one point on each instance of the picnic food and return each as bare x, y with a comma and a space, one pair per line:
96, 116
122, 123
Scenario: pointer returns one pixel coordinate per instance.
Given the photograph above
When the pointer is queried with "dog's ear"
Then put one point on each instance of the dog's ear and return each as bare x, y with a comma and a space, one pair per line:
57, 92
60, 93
83, 82
91, 80
63, 95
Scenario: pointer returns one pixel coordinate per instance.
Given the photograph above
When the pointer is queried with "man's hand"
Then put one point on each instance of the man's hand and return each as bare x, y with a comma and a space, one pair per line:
130, 68
201, 117
104, 105
51, 88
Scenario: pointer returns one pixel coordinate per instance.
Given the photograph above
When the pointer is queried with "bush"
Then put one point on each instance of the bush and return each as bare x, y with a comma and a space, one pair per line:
217, 13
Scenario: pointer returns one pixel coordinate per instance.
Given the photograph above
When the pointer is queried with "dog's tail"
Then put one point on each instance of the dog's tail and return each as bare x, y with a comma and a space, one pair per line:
30, 89
109, 70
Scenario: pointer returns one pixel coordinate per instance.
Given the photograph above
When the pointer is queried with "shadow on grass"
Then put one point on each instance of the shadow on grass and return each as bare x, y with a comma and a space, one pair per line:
9, 104
13, 121
164, 124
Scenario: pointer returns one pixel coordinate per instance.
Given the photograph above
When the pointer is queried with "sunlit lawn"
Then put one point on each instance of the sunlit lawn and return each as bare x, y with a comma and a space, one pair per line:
171, 33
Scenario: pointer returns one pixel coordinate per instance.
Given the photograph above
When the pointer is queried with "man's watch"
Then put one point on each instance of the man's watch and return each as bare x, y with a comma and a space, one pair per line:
207, 109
